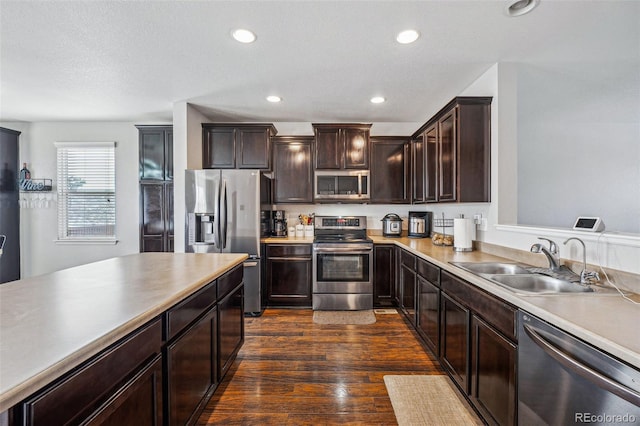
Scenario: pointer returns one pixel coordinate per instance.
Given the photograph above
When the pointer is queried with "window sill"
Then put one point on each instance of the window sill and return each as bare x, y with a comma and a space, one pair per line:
87, 241
612, 237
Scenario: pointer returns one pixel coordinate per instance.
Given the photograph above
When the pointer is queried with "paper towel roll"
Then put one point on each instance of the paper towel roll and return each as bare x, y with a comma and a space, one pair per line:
464, 232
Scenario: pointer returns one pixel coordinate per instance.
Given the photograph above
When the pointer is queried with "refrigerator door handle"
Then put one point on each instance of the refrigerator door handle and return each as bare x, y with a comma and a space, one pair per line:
216, 213
225, 218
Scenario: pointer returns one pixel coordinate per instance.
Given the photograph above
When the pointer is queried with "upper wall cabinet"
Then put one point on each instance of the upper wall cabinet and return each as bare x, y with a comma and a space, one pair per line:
390, 170
241, 146
156, 152
342, 146
457, 147
293, 170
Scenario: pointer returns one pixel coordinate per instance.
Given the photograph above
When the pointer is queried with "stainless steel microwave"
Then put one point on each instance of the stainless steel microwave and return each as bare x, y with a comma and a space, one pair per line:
352, 185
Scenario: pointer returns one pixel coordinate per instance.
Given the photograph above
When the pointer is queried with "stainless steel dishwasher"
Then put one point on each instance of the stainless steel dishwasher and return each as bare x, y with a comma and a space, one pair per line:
564, 381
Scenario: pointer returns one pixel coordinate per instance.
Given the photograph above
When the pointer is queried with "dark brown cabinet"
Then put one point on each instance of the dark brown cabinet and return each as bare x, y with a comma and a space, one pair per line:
478, 347
231, 328
341, 146
457, 141
122, 382
293, 170
288, 280
156, 188
454, 349
428, 304
384, 275
407, 284
230, 146
418, 170
493, 373
192, 369
390, 170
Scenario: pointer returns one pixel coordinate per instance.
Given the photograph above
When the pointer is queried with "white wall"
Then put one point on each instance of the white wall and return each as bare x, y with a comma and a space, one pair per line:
39, 252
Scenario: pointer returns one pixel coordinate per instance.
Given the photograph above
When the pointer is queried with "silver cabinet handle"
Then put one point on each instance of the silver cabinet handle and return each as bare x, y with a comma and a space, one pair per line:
577, 367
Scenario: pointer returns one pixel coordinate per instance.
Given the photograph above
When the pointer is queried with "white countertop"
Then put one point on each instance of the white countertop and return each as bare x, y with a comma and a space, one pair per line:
608, 322
51, 323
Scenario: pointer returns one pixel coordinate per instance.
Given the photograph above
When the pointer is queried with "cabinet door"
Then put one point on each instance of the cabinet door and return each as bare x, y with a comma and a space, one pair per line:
138, 402
219, 148
408, 283
493, 374
293, 172
390, 177
152, 155
231, 328
152, 217
454, 343
417, 158
191, 368
431, 163
168, 157
289, 281
253, 148
356, 148
329, 147
429, 313
383, 276
447, 156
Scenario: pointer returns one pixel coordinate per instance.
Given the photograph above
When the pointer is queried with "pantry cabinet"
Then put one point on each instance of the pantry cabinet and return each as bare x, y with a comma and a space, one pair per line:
341, 146
457, 148
230, 146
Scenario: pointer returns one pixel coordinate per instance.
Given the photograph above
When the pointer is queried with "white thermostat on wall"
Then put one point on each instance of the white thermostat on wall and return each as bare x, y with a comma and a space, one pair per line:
594, 224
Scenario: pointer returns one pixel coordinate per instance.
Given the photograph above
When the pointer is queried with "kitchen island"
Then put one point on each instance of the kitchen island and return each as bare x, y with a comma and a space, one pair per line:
54, 323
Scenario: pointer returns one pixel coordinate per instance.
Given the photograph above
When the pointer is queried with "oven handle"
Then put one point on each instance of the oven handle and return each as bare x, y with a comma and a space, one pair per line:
342, 250
577, 367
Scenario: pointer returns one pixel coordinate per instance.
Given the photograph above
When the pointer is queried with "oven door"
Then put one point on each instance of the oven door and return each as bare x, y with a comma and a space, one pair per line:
342, 268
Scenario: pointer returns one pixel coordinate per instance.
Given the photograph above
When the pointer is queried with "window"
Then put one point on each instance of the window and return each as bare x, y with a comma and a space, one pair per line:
86, 191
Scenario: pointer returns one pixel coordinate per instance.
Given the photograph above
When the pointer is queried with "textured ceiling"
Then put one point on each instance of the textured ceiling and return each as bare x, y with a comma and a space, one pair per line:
131, 60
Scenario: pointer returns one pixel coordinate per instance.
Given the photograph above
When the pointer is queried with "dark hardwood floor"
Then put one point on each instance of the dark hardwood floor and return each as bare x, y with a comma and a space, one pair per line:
292, 371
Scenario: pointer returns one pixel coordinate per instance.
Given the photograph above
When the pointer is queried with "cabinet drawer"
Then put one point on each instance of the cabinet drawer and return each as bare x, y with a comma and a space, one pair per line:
229, 281
287, 250
189, 309
79, 394
493, 310
408, 259
428, 271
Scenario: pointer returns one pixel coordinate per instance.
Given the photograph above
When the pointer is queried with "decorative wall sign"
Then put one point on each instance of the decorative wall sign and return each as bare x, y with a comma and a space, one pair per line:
35, 185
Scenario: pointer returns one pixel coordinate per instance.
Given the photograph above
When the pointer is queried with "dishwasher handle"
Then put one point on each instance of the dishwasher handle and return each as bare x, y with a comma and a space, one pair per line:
582, 370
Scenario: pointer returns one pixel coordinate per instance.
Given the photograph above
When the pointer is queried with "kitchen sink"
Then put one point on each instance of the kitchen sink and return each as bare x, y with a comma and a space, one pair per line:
492, 268
538, 284
527, 280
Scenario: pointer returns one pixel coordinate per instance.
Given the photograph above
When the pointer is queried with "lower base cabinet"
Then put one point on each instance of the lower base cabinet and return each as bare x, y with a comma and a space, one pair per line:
231, 328
192, 368
454, 349
493, 374
428, 321
384, 276
288, 275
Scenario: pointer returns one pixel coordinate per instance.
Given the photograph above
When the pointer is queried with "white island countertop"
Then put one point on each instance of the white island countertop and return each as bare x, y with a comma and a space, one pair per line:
51, 323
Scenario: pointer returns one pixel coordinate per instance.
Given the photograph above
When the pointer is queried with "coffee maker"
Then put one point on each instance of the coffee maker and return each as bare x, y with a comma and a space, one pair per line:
279, 223
420, 224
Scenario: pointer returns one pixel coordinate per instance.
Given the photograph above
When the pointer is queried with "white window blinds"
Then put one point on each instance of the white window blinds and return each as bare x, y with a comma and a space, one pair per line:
86, 191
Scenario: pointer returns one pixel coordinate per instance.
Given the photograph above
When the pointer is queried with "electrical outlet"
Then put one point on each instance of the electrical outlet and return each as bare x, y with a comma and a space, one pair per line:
483, 224
477, 218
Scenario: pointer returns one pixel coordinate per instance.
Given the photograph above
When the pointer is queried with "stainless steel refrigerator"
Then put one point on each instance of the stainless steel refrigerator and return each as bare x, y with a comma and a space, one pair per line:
223, 215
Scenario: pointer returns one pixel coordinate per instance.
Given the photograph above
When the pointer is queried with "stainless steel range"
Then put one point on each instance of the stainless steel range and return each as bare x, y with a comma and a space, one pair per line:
342, 264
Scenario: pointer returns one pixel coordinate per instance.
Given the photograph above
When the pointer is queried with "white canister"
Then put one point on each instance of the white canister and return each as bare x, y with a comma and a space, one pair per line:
464, 232
308, 231
299, 231
292, 231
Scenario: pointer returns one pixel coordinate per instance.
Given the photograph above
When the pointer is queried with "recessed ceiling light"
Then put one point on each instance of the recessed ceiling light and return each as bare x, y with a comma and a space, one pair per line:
520, 7
407, 36
377, 100
274, 98
244, 36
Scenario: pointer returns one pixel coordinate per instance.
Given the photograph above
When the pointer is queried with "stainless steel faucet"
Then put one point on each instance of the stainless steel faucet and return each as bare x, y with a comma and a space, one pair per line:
586, 277
552, 253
